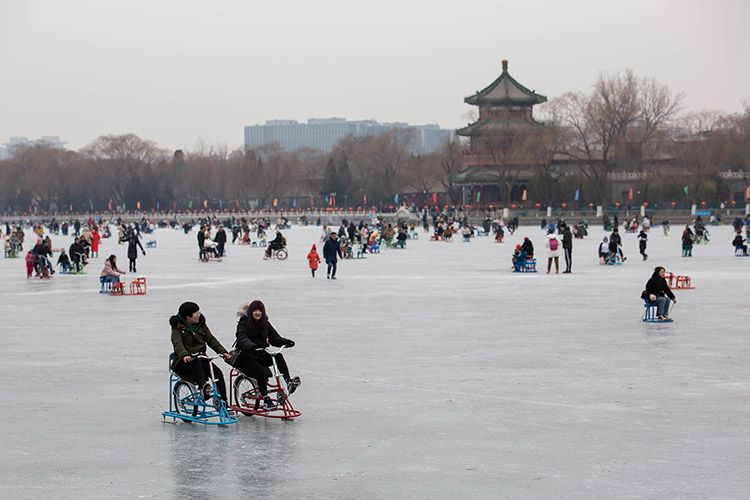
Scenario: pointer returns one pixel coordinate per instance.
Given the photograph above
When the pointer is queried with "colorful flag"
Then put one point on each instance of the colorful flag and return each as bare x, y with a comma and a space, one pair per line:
205, 203
578, 194
685, 189
479, 196
630, 194
275, 202
395, 199
138, 205
364, 199
523, 196
434, 198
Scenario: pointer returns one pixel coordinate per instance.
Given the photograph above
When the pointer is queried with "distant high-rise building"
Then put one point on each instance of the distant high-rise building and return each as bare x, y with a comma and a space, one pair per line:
324, 133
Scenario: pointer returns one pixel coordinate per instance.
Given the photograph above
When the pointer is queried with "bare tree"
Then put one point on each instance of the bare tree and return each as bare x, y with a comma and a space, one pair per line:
700, 150
451, 163
123, 159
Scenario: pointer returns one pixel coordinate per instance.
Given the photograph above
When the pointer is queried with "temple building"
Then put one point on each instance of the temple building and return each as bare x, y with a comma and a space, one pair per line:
503, 150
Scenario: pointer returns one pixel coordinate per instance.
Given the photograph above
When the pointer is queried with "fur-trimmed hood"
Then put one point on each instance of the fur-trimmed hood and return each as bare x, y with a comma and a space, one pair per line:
178, 320
248, 308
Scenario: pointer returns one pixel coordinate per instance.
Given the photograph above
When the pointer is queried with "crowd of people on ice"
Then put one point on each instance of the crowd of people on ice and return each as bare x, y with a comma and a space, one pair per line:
351, 240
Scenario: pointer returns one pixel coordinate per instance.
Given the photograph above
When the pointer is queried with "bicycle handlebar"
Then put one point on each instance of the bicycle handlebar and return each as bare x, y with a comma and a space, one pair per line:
204, 356
271, 349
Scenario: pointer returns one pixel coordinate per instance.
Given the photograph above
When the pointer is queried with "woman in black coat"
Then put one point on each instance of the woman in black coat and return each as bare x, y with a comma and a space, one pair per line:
134, 242
657, 291
254, 334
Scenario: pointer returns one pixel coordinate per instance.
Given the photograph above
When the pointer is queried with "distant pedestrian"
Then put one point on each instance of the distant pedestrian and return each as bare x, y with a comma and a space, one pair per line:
313, 259
567, 244
687, 242
220, 239
331, 252
553, 252
642, 239
134, 243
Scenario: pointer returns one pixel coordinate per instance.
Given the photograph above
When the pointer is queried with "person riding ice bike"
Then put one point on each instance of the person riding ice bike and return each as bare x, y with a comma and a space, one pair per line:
190, 334
254, 333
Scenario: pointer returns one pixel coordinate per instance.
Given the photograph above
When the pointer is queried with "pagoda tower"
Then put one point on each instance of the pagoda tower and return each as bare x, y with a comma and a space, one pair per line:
501, 157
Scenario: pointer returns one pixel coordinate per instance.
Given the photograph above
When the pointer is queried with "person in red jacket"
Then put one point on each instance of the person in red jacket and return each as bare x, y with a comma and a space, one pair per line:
313, 259
95, 239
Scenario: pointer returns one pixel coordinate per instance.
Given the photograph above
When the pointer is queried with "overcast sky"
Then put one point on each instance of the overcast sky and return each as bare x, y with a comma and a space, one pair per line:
181, 71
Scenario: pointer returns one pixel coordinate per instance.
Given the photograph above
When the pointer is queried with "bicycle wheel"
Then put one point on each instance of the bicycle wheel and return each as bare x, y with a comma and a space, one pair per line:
281, 254
183, 395
246, 394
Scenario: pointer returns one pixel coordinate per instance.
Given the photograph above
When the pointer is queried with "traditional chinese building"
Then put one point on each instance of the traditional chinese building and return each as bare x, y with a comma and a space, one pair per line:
502, 152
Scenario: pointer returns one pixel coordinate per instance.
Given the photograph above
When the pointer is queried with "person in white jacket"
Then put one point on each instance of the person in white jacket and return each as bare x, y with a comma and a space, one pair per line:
553, 251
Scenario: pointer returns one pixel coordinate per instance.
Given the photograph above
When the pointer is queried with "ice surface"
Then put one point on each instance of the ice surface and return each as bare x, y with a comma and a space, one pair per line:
430, 372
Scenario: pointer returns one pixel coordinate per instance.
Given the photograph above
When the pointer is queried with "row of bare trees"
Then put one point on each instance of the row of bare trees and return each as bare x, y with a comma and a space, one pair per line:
623, 124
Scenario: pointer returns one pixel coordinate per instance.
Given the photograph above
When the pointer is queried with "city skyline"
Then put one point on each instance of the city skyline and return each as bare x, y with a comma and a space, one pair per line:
80, 70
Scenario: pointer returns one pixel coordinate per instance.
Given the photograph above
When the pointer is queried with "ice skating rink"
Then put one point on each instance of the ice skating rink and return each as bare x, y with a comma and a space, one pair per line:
430, 372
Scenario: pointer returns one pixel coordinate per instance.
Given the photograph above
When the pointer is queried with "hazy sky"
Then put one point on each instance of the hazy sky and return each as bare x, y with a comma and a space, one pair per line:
181, 71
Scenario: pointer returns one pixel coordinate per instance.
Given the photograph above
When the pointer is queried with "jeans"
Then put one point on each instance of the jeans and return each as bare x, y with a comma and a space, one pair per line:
662, 306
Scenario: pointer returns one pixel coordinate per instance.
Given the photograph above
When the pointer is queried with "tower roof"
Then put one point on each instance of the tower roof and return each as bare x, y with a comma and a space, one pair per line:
505, 91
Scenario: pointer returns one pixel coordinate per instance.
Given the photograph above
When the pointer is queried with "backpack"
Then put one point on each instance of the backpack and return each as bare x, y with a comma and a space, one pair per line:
553, 244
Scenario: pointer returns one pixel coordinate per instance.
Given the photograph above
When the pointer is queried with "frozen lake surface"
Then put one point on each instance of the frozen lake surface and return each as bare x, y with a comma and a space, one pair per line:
430, 372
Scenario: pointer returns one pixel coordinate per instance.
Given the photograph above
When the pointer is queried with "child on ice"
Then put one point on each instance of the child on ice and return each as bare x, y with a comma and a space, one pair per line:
313, 259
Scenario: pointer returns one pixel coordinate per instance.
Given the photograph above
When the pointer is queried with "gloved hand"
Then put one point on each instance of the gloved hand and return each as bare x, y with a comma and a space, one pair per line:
289, 343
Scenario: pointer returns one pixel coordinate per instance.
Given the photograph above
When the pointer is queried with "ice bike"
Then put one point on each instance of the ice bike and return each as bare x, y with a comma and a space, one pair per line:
245, 398
188, 403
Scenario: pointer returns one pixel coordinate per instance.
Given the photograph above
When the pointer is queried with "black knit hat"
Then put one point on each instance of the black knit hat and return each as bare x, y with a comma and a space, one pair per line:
188, 309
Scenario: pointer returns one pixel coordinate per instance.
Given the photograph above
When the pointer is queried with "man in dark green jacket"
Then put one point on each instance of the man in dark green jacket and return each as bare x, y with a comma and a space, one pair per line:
190, 335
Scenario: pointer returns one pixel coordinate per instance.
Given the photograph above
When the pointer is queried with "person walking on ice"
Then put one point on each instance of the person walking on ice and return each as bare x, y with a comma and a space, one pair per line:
331, 253
313, 259
642, 241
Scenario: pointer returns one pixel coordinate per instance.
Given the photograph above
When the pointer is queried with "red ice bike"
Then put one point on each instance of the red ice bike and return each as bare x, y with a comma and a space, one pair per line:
245, 398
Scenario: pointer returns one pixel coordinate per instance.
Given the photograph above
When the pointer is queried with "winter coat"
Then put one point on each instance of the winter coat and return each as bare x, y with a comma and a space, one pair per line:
313, 259
331, 249
250, 337
109, 270
191, 339
567, 239
658, 286
528, 247
687, 239
556, 251
221, 237
95, 238
642, 240
75, 251
133, 243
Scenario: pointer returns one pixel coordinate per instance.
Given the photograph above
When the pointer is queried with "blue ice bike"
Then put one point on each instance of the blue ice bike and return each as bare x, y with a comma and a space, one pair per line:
188, 403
